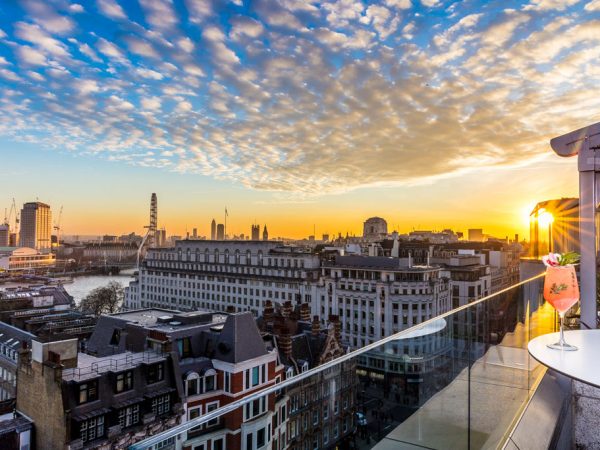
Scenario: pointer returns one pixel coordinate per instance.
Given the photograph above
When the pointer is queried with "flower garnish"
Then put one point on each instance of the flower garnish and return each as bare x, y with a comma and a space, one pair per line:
557, 259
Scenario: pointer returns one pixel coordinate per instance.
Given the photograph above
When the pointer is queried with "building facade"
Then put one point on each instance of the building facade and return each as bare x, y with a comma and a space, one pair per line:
36, 226
25, 259
219, 359
224, 276
12, 340
375, 297
321, 408
110, 251
95, 402
4, 235
469, 278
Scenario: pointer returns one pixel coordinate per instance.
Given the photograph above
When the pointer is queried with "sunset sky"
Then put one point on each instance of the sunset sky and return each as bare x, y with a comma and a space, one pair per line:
432, 114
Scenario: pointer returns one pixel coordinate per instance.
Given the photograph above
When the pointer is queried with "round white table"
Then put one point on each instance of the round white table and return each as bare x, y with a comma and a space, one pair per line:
582, 365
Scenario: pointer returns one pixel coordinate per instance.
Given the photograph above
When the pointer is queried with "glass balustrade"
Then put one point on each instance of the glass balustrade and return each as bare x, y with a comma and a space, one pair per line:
456, 381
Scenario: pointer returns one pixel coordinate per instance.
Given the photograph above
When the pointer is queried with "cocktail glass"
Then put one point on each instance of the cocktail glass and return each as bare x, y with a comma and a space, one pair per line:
562, 292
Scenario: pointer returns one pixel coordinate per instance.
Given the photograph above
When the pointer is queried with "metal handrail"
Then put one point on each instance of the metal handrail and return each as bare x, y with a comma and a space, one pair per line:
112, 364
147, 443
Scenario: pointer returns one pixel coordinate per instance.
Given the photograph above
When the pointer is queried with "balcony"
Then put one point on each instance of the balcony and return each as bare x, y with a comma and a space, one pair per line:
461, 380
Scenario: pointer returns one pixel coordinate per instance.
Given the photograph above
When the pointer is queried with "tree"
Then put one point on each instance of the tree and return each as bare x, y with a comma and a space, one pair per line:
103, 300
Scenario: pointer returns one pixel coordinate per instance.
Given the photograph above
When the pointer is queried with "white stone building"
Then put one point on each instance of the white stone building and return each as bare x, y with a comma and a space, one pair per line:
377, 296
24, 259
469, 278
224, 276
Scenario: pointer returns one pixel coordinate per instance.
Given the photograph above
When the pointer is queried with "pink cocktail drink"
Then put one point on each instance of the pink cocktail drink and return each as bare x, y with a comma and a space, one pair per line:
560, 287
561, 290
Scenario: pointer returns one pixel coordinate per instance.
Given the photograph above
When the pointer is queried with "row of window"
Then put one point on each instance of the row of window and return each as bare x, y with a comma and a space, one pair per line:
196, 411
315, 394
196, 384
395, 290
96, 427
379, 275
88, 390
314, 439
261, 269
205, 256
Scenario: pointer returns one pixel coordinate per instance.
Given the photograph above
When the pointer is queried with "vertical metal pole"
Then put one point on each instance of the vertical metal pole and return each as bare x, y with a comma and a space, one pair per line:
469, 312
587, 240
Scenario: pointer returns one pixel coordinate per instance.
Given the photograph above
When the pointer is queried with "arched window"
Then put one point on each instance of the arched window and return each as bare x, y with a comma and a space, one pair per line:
248, 257
216, 255
197, 255
226, 256
192, 384
206, 255
237, 256
260, 257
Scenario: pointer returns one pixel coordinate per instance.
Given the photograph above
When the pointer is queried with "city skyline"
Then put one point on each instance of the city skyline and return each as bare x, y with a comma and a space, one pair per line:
113, 212
408, 110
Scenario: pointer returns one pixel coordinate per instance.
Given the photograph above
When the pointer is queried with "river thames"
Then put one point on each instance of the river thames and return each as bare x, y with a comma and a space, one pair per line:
82, 286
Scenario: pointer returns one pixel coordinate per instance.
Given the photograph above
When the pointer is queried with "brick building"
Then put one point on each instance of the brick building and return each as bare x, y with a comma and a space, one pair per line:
219, 358
321, 408
81, 401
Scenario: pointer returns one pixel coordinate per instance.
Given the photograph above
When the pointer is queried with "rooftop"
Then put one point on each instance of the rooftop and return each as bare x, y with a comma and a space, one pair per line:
89, 367
170, 320
376, 262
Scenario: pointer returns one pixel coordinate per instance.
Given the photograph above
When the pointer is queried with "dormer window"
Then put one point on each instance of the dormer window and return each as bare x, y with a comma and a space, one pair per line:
305, 367
210, 381
155, 373
195, 384
289, 373
192, 384
184, 347
116, 337
124, 381
88, 392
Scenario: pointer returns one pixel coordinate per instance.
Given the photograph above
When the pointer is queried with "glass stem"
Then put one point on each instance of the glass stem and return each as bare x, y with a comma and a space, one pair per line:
561, 341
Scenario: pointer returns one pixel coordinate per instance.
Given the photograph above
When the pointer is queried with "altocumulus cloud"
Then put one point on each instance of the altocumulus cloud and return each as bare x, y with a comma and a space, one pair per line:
300, 96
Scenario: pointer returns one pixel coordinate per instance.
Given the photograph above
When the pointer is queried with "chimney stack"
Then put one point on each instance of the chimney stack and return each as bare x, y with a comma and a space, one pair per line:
286, 310
316, 326
285, 341
268, 314
305, 312
337, 326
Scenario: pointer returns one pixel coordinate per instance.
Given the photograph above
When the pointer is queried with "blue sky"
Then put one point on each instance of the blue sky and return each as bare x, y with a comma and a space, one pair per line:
293, 111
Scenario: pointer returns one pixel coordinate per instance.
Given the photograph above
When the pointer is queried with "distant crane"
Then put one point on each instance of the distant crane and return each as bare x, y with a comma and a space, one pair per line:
8, 218
13, 210
57, 226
